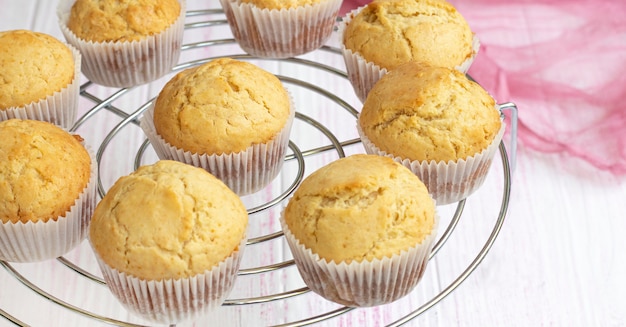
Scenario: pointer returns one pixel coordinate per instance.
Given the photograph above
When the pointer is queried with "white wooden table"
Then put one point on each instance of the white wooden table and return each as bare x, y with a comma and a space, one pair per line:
557, 261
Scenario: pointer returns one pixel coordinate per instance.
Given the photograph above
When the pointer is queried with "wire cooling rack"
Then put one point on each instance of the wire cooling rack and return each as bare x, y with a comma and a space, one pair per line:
268, 282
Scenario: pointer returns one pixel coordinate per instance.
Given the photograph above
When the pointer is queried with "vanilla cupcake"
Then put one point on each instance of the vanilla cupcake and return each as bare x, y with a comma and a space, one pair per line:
172, 229
357, 221
227, 116
435, 121
47, 190
124, 43
387, 33
40, 78
281, 29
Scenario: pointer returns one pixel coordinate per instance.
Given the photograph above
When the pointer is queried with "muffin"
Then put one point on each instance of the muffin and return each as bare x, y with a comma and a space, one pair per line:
174, 229
281, 29
387, 33
434, 120
227, 116
124, 43
359, 220
47, 190
40, 78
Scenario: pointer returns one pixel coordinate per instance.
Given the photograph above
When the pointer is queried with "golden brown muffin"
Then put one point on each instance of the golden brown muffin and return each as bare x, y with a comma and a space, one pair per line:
121, 20
392, 32
167, 220
43, 170
223, 106
361, 207
34, 66
422, 113
281, 4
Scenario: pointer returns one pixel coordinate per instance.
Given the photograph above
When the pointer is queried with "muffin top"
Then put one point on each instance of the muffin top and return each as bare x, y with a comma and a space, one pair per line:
34, 66
422, 112
121, 20
168, 220
223, 106
361, 207
43, 170
392, 32
281, 4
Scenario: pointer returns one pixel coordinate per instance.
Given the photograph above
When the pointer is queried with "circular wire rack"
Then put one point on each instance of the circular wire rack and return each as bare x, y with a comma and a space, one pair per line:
329, 145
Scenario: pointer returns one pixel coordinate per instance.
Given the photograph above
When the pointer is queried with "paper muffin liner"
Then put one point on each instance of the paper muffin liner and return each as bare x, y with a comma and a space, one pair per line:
447, 182
38, 241
171, 301
281, 33
363, 74
60, 108
126, 64
366, 283
244, 172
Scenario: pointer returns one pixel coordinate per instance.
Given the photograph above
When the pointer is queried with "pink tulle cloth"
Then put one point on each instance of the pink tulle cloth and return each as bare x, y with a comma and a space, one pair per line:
563, 63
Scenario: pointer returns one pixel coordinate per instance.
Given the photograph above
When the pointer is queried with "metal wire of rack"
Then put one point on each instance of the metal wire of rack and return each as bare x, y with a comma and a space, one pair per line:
299, 155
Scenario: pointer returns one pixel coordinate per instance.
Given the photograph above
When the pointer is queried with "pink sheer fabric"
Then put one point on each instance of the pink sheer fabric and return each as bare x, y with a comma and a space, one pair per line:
563, 63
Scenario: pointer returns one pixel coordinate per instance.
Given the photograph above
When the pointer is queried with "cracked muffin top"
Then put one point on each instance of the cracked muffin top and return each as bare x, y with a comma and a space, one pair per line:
221, 107
428, 113
392, 32
167, 220
34, 65
43, 171
121, 20
361, 207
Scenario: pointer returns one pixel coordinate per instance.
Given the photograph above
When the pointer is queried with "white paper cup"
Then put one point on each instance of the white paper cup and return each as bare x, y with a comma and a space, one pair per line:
171, 301
244, 172
59, 108
38, 241
366, 283
281, 33
126, 64
363, 74
447, 182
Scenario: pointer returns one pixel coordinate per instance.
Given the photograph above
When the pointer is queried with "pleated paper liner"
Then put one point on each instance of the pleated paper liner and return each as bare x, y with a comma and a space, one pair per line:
38, 241
447, 182
244, 172
171, 301
281, 33
126, 64
59, 108
365, 283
